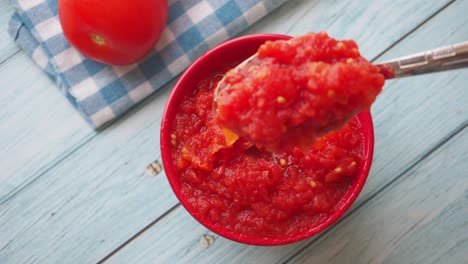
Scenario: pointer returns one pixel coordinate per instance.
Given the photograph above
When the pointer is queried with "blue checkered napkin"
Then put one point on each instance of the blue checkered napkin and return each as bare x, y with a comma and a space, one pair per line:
101, 92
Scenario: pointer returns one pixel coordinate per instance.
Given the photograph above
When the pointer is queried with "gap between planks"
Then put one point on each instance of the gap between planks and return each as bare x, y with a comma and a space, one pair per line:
386, 186
437, 146
45, 169
73, 149
89, 138
139, 233
413, 30
10, 57
441, 143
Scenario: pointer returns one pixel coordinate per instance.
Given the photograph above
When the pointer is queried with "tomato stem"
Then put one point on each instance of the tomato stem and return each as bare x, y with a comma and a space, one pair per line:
98, 39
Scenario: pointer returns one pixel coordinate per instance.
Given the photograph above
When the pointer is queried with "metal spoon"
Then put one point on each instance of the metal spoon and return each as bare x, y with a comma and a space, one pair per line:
440, 59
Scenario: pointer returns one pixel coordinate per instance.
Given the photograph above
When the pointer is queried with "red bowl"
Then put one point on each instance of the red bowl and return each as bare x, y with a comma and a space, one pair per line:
225, 54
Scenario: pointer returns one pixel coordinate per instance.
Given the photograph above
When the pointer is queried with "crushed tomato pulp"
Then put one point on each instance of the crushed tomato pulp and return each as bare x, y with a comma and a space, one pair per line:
234, 184
295, 90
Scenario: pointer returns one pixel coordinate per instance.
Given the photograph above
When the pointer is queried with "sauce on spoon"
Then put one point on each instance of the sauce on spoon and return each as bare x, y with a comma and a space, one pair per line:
293, 91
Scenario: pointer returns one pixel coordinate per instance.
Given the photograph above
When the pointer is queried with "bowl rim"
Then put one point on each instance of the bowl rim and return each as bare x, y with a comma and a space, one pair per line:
364, 118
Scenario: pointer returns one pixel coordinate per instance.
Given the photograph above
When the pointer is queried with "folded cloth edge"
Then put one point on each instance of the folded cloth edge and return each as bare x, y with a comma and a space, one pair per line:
22, 36
26, 40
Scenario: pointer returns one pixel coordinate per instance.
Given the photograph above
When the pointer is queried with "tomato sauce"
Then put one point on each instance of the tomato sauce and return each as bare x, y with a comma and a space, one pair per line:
297, 89
240, 186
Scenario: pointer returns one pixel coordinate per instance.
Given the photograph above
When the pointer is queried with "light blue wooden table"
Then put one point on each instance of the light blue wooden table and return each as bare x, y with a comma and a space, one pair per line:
69, 194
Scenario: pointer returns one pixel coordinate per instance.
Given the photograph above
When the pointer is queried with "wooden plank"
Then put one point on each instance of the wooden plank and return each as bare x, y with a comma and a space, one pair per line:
384, 108
29, 101
445, 235
422, 218
37, 124
373, 25
7, 45
419, 219
399, 144
32, 161
81, 202
163, 242
96, 199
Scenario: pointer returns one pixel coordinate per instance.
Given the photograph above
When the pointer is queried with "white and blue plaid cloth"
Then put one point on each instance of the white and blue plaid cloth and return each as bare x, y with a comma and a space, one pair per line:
101, 92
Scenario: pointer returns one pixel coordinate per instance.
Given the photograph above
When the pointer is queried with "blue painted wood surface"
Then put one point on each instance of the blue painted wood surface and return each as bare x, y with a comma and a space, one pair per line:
7, 46
71, 195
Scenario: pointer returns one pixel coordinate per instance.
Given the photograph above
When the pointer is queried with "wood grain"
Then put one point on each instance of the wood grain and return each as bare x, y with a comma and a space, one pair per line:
421, 218
94, 198
24, 168
403, 132
7, 45
37, 124
394, 159
92, 201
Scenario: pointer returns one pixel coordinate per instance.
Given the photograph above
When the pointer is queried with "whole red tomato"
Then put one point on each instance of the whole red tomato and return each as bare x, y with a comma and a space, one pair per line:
115, 32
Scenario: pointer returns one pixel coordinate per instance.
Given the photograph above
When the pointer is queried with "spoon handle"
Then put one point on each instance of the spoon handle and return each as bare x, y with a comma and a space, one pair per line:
440, 59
